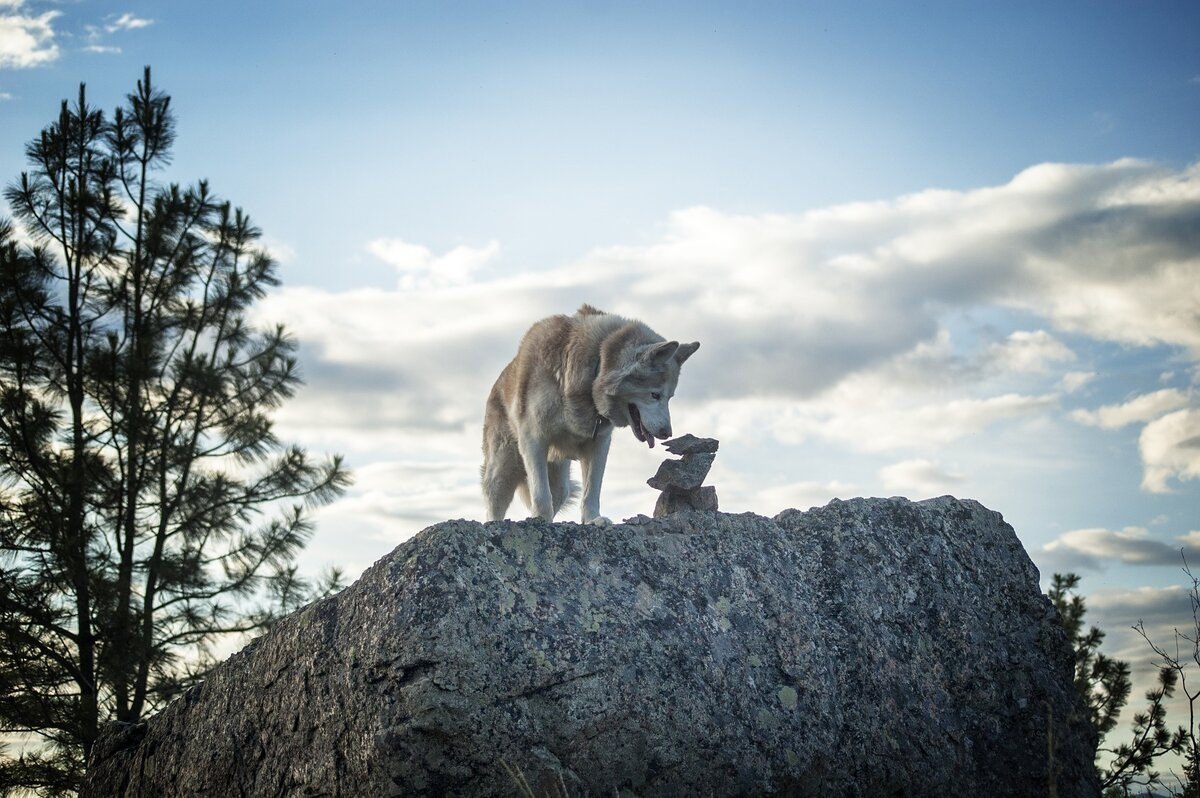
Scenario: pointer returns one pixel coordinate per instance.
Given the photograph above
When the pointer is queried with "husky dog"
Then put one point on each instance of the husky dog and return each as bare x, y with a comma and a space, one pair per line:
574, 378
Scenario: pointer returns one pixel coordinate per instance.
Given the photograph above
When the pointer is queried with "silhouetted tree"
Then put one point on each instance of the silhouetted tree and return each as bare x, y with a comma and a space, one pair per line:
147, 509
1182, 662
1104, 685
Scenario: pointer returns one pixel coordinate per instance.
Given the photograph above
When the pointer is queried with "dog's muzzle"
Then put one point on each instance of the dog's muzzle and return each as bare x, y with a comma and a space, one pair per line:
639, 429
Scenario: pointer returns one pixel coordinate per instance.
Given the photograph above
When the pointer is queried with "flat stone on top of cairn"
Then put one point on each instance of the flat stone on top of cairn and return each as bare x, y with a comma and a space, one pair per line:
680, 480
690, 444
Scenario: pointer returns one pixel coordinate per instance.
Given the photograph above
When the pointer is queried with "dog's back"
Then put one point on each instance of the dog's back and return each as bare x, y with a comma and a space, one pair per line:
549, 382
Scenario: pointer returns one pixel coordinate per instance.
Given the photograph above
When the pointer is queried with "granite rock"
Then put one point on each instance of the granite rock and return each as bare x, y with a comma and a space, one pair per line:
674, 501
869, 647
685, 473
690, 444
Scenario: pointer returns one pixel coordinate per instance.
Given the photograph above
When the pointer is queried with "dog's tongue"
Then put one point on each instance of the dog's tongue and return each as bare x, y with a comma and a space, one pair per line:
650, 440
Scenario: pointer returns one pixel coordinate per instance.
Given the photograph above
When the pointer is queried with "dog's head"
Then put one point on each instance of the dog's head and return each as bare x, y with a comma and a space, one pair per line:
646, 387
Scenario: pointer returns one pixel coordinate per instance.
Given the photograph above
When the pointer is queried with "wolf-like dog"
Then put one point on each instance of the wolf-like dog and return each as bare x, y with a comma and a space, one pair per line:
574, 378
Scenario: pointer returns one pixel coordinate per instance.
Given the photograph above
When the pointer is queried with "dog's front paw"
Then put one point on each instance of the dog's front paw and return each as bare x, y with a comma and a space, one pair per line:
600, 521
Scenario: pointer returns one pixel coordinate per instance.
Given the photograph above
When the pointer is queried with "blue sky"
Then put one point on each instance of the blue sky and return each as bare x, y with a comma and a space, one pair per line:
927, 248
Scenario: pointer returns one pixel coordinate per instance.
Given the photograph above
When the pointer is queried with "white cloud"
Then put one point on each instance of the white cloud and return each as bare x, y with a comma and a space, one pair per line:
1098, 547
4, 95
1058, 240
829, 325
388, 502
1072, 381
1143, 408
281, 251
420, 268
867, 415
1170, 449
801, 495
900, 405
127, 21
1169, 444
919, 478
1191, 539
396, 497
1163, 611
1154, 605
791, 305
1030, 352
25, 40
399, 370
918, 400
1167, 189
1160, 609
96, 34
1124, 269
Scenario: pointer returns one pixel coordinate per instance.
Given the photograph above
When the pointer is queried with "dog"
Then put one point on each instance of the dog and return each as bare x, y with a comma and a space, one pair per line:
573, 380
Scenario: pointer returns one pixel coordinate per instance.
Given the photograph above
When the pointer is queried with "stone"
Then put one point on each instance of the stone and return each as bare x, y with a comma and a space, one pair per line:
685, 473
672, 501
690, 444
680, 480
868, 647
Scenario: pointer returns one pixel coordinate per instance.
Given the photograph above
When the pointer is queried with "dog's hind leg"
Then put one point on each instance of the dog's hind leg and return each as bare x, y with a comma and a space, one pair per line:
562, 489
503, 473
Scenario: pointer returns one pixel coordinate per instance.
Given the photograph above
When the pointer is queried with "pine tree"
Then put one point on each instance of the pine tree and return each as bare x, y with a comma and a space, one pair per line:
1104, 684
147, 509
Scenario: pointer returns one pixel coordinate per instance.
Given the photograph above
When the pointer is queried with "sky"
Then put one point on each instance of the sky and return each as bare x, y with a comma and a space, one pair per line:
927, 248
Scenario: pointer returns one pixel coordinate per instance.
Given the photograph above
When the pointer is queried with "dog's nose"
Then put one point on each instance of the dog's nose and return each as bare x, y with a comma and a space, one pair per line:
662, 436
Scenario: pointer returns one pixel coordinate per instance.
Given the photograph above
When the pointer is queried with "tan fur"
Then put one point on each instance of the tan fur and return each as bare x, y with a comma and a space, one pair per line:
573, 379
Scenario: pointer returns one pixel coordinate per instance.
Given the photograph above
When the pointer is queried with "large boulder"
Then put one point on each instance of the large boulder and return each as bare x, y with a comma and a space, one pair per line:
869, 647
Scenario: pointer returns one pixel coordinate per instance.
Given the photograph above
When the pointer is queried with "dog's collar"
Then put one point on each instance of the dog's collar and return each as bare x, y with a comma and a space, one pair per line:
600, 422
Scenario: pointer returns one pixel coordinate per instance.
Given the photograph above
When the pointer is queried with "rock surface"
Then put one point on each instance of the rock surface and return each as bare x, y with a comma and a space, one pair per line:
870, 647
680, 480
674, 501
686, 473
690, 444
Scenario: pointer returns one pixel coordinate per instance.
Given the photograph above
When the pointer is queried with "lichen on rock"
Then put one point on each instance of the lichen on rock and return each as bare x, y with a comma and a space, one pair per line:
869, 647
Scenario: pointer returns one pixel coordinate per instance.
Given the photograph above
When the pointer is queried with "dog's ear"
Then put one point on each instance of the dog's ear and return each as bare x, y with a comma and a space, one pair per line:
685, 351
659, 353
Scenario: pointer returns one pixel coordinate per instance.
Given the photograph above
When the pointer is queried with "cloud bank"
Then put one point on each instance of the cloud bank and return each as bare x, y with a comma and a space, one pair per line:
843, 325
1095, 549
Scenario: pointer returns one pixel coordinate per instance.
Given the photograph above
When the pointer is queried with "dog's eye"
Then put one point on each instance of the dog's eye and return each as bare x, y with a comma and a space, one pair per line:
656, 396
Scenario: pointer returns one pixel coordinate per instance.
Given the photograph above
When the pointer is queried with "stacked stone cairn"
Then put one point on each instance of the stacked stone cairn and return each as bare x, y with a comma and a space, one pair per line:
680, 480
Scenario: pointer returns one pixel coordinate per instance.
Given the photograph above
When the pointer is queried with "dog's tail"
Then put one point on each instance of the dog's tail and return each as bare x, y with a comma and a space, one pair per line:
563, 490
572, 495
523, 494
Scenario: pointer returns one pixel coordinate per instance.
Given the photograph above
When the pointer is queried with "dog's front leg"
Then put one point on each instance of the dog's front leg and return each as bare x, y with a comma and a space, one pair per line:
593, 463
537, 478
